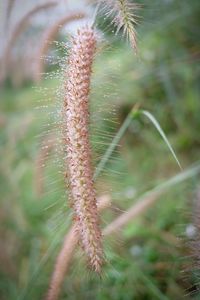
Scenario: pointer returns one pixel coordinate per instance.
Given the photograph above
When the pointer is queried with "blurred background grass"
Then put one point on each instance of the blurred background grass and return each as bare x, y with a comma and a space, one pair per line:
150, 258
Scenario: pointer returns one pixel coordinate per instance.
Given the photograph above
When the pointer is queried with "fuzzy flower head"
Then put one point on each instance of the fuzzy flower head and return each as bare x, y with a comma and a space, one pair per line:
124, 17
76, 137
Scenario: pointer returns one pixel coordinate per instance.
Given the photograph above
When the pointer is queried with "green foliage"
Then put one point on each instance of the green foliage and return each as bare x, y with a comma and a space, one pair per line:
147, 259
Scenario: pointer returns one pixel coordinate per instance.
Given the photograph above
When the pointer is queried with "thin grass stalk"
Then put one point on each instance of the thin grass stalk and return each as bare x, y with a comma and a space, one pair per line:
136, 210
149, 198
134, 113
161, 132
48, 37
114, 143
65, 256
19, 28
9, 9
143, 203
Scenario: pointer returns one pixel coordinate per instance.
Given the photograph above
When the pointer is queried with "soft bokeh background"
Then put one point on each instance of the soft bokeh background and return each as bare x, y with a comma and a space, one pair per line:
151, 257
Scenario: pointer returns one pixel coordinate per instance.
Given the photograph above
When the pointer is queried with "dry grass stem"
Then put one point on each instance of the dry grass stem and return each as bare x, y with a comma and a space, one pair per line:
66, 254
9, 8
48, 37
136, 210
19, 28
71, 239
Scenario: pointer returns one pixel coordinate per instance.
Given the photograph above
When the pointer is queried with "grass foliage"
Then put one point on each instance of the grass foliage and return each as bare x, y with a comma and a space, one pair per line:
150, 257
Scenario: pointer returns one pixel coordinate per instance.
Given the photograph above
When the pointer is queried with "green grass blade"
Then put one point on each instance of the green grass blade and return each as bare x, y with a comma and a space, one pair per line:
192, 171
161, 132
133, 114
182, 176
113, 144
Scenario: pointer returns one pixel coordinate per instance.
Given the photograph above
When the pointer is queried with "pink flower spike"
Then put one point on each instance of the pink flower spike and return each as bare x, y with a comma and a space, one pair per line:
76, 137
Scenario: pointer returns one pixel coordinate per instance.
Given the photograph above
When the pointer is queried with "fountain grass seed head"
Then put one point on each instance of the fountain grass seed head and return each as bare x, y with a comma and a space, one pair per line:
76, 137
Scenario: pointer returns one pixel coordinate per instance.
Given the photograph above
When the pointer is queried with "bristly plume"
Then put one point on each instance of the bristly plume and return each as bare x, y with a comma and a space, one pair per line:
76, 138
124, 17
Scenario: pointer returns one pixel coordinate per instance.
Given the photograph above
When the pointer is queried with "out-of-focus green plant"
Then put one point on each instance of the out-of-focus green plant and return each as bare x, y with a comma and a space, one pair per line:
164, 79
